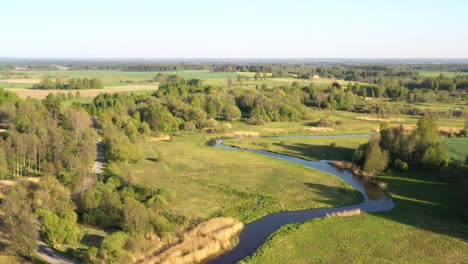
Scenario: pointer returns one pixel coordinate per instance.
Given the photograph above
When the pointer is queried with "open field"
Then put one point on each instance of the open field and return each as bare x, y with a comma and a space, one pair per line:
233, 183
458, 148
41, 94
26, 79
118, 78
436, 74
424, 227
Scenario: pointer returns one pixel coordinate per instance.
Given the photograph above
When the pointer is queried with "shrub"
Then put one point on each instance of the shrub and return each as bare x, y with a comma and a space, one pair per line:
113, 245
333, 144
255, 121
401, 165
463, 133
189, 126
325, 123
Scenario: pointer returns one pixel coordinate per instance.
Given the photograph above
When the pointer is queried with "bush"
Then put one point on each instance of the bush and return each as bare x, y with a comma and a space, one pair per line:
463, 133
189, 126
255, 121
333, 144
401, 165
325, 123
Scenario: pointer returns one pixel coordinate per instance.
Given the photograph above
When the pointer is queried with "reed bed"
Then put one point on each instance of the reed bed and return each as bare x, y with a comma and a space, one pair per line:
317, 129
242, 134
205, 240
346, 213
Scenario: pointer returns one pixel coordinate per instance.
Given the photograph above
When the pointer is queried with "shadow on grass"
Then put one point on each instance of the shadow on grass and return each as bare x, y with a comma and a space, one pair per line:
424, 199
92, 240
334, 195
320, 152
152, 159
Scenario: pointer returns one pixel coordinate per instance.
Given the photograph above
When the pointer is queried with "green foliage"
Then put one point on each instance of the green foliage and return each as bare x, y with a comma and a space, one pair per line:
113, 246
135, 217
20, 221
422, 147
401, 165
59, 230
435, 156
71, 84
377, 159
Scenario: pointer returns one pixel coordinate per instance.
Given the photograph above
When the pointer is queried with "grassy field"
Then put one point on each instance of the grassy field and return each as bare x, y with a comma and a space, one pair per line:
211, 182
458, 148
41, 94
116, 78
310, 148
424, 227
436, 74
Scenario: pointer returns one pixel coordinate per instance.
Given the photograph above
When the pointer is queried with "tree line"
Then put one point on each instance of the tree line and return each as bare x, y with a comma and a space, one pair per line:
70, 84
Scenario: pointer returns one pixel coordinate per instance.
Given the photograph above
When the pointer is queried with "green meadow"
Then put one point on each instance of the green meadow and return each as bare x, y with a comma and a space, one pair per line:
211, 182
425, 226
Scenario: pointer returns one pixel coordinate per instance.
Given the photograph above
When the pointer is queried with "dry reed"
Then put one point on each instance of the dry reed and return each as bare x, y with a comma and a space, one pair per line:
242, 134
205, 240
365, 118
346, 213
317, 129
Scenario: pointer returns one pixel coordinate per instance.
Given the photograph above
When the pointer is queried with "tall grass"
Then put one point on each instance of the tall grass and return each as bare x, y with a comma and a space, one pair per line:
205, 240
346, 213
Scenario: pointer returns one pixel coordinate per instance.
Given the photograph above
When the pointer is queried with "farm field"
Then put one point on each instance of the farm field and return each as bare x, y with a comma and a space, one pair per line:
41, 94
436, 74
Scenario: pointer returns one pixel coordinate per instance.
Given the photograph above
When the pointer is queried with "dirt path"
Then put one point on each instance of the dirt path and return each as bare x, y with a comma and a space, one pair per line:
50, 255
99, 162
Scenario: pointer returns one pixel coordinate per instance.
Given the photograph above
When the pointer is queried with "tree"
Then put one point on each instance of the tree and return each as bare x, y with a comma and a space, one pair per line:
229, 82
466, 120
257, 76
53, 196
58, 230
240, 80
113, 246
376, 158
231, 112
136, 218
3, 163
20, 220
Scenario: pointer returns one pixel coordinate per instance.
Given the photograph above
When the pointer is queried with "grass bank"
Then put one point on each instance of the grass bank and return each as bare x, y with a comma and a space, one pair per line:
424, 227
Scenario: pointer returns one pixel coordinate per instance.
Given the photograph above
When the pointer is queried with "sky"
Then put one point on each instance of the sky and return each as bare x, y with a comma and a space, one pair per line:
234, 29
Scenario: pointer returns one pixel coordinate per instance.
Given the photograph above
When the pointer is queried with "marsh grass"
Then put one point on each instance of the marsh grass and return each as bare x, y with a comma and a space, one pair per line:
205, 240
346, 213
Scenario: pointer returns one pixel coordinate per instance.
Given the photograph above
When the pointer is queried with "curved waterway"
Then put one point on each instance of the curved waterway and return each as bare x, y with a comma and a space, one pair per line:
255, 234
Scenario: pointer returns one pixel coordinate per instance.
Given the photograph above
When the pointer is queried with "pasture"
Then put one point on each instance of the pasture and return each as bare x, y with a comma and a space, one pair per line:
458, 148
217, 182
425, 226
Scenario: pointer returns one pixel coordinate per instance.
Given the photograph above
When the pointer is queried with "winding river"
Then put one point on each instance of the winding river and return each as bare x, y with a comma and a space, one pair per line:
255, 234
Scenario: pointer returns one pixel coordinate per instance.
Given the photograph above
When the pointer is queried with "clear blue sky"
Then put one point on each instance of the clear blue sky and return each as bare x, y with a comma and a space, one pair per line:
234, 29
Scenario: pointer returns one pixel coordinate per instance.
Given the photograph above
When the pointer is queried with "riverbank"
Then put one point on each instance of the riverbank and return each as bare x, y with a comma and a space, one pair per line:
424, 227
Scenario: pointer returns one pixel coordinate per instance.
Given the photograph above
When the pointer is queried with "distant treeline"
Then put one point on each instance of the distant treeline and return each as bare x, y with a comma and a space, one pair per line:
71, 84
